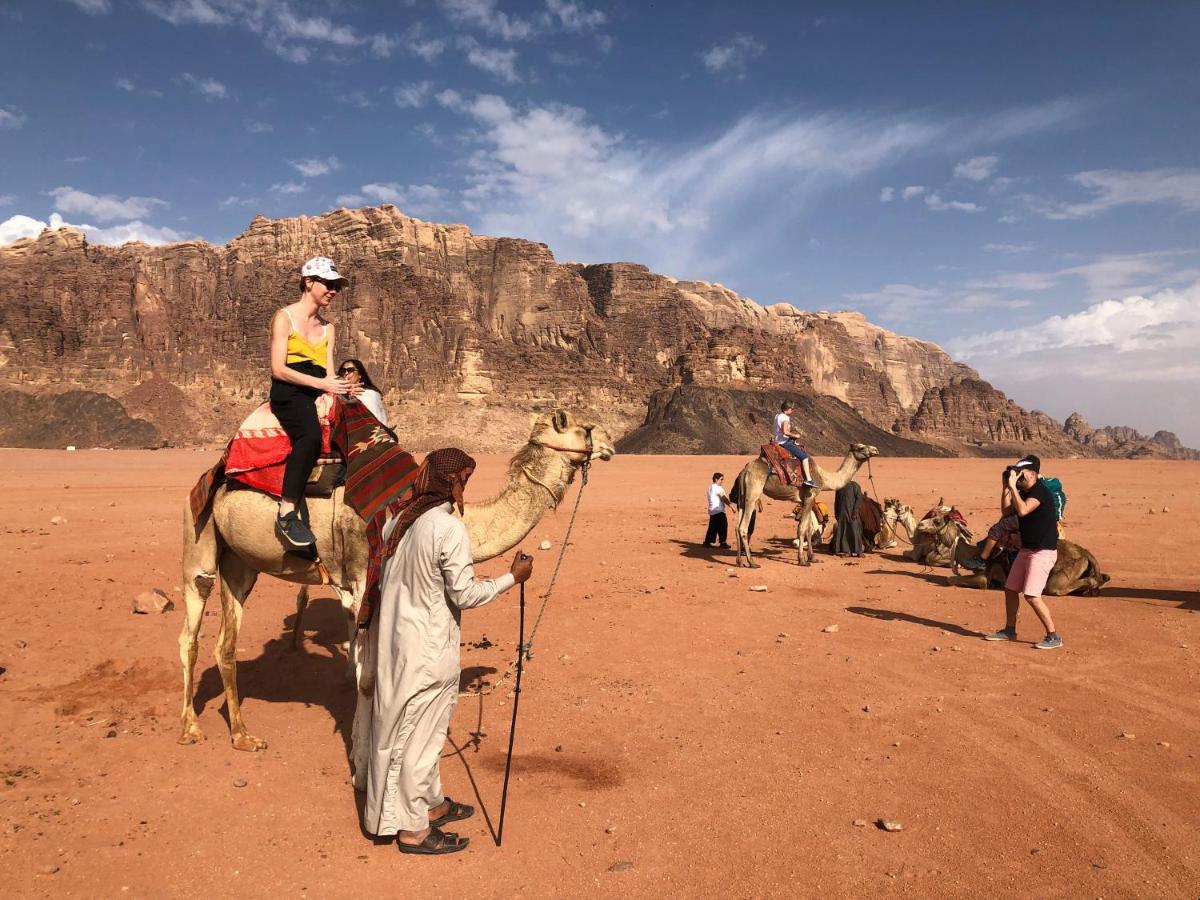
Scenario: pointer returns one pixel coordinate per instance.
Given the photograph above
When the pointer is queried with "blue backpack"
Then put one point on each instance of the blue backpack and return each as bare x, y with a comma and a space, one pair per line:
1054, 486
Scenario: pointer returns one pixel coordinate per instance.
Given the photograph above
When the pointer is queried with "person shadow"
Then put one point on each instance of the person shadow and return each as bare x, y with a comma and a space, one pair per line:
889, 615
281, 675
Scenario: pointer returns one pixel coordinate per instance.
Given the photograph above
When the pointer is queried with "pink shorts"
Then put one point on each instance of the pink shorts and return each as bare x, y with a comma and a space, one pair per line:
1030, 571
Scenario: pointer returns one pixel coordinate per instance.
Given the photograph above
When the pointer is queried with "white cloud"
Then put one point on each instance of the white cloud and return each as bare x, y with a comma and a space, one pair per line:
313, 168
208, 88
357, 99
1113, 188
484, 15
913, 190
7, 199
255, 127
574, 16
497, 61
935, 202
288, 187
416, 199
412, 96
25, 226
732, 57
94, 7
417, 43
76, 159
294, 36
887, 195
1008, 248
1009, 219
351, 200
124, 84
235, 200
104, 207
977, 168
11, 117
547, 172
1126, 361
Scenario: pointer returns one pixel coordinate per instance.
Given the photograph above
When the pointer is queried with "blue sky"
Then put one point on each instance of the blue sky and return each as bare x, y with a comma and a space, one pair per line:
1020, 186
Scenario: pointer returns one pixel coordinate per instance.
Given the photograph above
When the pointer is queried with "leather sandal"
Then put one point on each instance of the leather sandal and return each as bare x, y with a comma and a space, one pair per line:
455, 812
436, 843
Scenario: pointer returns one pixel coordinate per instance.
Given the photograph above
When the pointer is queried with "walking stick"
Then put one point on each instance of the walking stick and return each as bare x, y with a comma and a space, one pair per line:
512, 729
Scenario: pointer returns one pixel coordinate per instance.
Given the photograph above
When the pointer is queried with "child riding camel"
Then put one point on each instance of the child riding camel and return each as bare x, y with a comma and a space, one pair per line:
301, 358
786, 438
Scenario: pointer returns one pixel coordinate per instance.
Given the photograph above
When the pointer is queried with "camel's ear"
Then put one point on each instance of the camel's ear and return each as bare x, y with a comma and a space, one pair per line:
560, 420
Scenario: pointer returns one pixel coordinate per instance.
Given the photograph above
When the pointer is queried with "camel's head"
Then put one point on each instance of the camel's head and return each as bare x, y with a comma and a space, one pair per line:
863, 452
584, 440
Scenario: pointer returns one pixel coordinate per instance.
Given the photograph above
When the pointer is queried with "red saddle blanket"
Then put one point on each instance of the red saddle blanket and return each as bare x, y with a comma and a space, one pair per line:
259, 450
782, 464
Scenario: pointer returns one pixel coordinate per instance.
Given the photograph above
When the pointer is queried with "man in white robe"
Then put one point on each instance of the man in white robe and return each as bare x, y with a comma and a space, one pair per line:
427, 580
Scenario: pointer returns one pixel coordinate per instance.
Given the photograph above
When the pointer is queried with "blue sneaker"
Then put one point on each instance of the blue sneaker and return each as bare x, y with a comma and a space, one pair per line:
1004, 634
292, 529
808, 482
1050, 642
975, 564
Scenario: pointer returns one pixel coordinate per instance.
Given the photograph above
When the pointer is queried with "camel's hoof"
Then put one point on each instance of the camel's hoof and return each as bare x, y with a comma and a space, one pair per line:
191, 735
248, 742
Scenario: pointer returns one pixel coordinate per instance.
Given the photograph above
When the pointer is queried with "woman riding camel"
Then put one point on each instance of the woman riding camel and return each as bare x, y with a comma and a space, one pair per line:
301, 357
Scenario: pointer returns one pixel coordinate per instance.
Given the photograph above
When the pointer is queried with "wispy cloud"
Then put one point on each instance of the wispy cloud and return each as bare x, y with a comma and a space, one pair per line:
124, 84
7, 199
12, 118
574, 16
416, 41
935, 202
234, 200
414, 199
295, 36
733, 56
1113, 188
913, 190
412, 96
104, 207
485, 16
288, 187
887, 195
312, 168
977, 168
208, 88
1008, 248
93, 7
254, 126
497, 61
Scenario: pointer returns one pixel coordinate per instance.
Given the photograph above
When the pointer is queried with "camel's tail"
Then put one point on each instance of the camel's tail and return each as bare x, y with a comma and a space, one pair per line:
1093, 574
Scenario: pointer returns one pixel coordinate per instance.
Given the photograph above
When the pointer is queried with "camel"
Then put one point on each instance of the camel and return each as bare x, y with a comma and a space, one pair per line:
1075, 571
896, 514
756, 480
235, 542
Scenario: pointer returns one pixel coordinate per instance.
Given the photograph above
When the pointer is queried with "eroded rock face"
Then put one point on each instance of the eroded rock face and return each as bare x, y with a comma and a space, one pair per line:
1125, 442
466, 334
72, 418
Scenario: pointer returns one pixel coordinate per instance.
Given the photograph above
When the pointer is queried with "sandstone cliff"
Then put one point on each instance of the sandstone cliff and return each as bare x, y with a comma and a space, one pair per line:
467, 334
1129, 443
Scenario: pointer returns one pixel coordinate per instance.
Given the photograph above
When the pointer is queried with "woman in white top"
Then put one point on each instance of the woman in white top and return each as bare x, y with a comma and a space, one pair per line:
355, 373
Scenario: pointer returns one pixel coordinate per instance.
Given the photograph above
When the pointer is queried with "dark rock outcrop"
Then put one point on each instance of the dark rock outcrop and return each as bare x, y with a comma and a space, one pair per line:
78, 418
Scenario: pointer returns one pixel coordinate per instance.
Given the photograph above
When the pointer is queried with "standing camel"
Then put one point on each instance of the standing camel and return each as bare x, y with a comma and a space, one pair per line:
235, 542
756, 479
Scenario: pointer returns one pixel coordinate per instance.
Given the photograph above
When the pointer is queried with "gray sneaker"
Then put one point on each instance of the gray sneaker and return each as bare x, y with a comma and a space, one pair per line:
975, 564
1004, 634
1050, 642
293, 530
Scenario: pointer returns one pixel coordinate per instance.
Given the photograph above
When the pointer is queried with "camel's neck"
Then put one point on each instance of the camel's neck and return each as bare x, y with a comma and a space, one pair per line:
840, 478
535, 484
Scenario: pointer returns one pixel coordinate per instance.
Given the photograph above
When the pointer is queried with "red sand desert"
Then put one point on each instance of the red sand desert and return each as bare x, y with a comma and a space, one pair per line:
680, 735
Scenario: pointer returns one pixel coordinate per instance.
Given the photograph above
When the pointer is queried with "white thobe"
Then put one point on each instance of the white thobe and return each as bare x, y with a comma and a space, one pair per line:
415, 633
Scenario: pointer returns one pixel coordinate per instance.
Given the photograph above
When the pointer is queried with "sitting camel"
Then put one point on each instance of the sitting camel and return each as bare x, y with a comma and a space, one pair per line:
756, 480
1075, 571
234, 542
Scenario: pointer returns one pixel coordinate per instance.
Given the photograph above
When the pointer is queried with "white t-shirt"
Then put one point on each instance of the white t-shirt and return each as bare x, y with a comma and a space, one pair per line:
374, 402
716, 503
782, 421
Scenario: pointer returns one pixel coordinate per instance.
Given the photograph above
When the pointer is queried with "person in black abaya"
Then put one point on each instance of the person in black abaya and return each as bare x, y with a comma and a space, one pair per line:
848, 532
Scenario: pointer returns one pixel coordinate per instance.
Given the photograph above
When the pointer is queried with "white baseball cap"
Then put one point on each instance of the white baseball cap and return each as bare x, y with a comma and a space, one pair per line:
321, 267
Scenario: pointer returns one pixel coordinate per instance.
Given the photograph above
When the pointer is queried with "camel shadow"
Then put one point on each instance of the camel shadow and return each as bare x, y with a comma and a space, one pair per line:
1189, 600
928, 577
281, 675
889, 615
697, 550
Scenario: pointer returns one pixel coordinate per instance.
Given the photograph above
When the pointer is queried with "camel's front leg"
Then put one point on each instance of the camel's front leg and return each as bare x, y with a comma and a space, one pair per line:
360, 656
804, 551
743, 536
237, 579
196, 588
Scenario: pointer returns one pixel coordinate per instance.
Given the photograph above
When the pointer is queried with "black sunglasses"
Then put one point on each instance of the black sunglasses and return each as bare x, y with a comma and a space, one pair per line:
345, 370
333, 284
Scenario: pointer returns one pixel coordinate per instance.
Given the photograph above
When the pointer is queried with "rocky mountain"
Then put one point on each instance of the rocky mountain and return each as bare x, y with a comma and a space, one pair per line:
1122, 441
468, 335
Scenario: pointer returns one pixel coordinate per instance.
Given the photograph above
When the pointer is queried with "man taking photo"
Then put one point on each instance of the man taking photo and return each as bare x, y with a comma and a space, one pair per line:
1030, 500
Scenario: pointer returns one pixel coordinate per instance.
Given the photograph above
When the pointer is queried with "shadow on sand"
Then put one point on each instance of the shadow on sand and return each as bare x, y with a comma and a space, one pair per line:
889, 615
1186, 599
281, 675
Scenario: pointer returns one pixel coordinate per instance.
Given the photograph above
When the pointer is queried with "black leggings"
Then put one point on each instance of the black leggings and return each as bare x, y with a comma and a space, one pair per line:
295, 408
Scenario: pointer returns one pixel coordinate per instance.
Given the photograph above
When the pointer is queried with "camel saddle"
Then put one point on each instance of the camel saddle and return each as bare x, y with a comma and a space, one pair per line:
782, 464
258, 453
